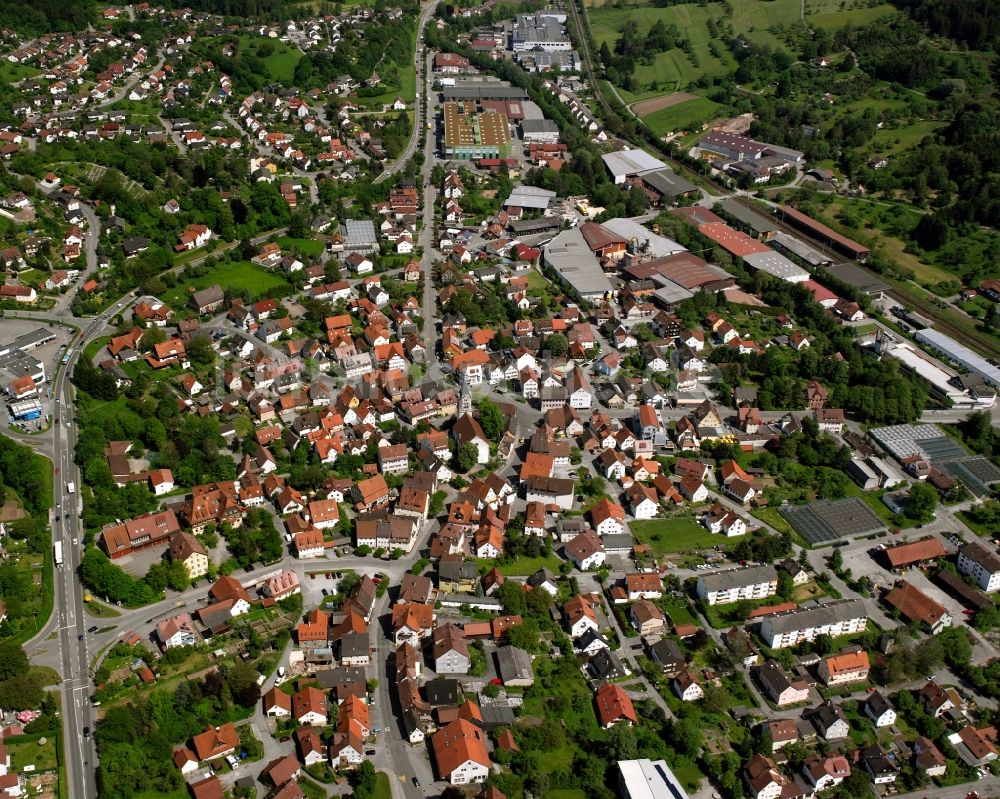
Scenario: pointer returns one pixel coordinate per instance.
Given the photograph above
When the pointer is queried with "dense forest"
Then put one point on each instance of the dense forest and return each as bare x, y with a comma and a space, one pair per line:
42, 16
974, 23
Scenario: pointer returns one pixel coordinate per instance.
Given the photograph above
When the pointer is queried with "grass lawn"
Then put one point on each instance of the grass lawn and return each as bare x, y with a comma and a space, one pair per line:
383, 790
281, 63
180, 793
770, 516
97, 411
677, 610
147, 107
880, 216
10, 72
34, 277
255, 280
94, 347
680, 534
407, 88
100, 610
556, 759
889, 141
834, 14
674, 69
687, 772
978, 528
27, 753
670, 70
523, 566
537, 281
305, 246
683, 116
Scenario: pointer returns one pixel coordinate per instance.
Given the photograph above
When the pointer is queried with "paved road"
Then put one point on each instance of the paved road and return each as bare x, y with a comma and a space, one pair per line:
69, 619
423, 71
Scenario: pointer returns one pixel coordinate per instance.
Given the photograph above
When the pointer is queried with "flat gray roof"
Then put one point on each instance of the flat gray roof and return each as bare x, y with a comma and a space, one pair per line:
858, 277
778, 265
539, 126
659, 246
753, 220
529, 197
576, 264
796, 246
482, 90
669, 292
960, 354
631, 162
649, 779
668, 182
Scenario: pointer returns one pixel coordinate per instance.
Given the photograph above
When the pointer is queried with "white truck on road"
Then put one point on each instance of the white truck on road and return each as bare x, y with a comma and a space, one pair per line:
70, 487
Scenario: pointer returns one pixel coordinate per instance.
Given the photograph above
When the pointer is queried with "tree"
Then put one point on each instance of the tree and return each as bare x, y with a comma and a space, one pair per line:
786, 586
557, 344
363, 780
491, 420
468, 457
622, 743
687, 736
13, 660
199, 349
241, 679
922, 502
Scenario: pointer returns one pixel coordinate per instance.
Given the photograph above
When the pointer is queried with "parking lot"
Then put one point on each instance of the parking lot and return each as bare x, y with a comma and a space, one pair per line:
49, 354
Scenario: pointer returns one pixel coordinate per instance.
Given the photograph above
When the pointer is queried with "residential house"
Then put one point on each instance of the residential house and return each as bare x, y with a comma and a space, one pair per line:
614, 706
777, 686
846, 668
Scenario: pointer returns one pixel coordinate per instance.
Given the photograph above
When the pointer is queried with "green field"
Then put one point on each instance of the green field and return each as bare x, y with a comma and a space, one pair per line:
10, 72
407, 88
835, 14
383, 789
240, 275
29, 752
674, 535
764, 22
884, 218
281, 63
305, 246
523, 566
672, 70
677, 610
890, 141
683, 116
